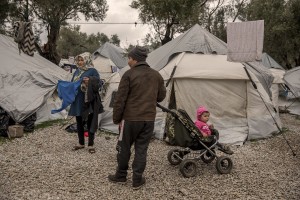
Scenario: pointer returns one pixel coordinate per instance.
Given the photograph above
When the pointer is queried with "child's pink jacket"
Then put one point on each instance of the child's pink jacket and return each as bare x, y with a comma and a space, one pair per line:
203, 127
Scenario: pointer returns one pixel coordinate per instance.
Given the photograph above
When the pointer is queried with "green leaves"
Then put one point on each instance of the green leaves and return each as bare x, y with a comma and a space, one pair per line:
167, 17
72, 42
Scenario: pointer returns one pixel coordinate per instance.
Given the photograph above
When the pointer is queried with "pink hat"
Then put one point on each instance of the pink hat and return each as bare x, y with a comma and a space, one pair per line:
201, 110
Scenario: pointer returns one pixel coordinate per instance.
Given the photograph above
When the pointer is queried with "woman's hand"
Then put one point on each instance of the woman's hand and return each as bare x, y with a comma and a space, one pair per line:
86, 80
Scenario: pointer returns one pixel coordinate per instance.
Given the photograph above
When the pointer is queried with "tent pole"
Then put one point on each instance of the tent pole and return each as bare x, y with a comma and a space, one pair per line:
174, 69
285, 87
66, 123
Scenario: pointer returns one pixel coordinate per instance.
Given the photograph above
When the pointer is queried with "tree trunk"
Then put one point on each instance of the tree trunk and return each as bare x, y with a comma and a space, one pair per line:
51, 51
287, 63
167, 37
297, 60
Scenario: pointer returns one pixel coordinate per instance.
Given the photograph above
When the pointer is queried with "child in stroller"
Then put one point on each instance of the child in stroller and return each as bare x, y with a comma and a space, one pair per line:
182, 132
208, 130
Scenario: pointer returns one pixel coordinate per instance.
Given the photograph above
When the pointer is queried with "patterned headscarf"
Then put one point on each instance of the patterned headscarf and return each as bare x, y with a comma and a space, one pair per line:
87, 60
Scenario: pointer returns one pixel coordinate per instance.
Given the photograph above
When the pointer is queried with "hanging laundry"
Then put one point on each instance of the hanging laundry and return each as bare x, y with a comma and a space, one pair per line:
23, 35
245, 41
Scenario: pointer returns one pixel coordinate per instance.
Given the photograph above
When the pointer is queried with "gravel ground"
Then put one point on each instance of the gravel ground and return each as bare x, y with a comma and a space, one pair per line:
42, 166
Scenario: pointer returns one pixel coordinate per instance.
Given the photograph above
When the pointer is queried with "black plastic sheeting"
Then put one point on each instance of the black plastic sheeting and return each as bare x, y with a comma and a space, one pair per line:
6, 121
28, 123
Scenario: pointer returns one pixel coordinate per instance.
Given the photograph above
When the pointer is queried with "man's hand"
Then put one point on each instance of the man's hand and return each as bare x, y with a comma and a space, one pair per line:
120, 127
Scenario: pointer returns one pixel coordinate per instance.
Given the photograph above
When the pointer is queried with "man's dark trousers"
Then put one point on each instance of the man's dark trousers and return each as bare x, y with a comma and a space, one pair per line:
139, 133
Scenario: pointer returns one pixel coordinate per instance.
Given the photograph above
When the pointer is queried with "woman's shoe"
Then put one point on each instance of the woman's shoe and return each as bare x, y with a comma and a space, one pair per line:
92, 150
77, 147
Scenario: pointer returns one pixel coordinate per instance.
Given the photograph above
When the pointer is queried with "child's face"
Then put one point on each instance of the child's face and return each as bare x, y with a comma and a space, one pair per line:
204, 117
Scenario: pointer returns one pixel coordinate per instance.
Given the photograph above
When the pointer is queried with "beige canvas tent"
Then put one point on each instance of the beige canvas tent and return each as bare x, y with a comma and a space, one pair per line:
197, 72
237, 109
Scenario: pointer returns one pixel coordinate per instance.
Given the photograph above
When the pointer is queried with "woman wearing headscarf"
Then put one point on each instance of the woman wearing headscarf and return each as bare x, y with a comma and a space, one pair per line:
87, 104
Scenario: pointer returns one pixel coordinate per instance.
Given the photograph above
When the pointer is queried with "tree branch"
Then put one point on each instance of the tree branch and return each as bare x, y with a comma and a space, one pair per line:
203, 3
238, 10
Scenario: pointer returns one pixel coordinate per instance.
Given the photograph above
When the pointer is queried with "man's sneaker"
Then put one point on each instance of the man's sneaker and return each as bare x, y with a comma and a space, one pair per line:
138, 185
115, 179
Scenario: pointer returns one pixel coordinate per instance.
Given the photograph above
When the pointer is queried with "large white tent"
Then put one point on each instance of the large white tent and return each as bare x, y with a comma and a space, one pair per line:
27, 83
197, 72
238, 110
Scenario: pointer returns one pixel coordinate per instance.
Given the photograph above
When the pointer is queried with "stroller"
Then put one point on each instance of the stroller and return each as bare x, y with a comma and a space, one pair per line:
194, 147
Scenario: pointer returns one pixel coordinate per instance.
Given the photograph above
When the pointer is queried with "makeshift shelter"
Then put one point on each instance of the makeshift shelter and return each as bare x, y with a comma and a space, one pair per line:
284, 87
108, 59
269, 62
27, 83
292, 79
196, 71
291, 97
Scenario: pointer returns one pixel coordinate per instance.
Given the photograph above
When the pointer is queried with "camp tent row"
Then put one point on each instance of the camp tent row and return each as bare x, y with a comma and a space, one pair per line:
196, 69
28, 83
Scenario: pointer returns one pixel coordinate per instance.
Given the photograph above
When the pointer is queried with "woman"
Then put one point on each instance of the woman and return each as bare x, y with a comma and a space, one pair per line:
87, 104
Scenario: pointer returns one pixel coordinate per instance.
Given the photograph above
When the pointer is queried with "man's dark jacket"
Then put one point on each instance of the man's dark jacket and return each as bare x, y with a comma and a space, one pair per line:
140, 89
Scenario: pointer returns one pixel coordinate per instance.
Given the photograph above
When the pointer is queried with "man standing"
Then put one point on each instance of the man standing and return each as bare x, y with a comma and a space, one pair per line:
134, 110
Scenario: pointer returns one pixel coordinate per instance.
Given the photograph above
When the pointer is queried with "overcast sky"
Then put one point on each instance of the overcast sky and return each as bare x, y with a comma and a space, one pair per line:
119, 12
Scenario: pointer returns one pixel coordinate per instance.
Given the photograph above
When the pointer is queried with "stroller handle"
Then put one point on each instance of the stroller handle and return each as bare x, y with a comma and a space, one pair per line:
164, 109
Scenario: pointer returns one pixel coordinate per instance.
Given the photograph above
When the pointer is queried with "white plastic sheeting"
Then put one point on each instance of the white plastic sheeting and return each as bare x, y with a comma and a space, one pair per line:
26, 82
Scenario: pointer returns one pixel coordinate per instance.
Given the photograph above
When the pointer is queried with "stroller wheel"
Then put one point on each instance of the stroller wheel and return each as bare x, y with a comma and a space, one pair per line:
188, 168
208, 157
224, 165
175, 156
